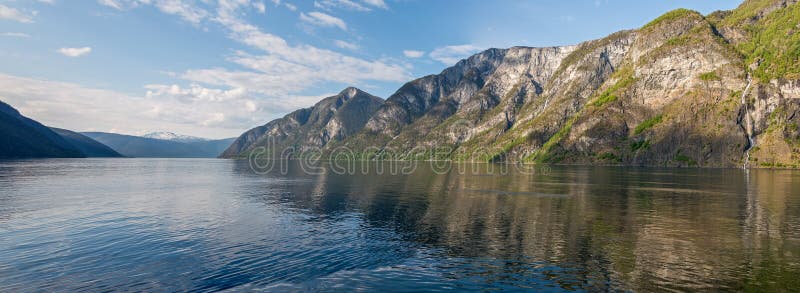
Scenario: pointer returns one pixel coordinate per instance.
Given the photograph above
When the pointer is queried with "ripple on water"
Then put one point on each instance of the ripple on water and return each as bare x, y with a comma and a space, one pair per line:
209, 225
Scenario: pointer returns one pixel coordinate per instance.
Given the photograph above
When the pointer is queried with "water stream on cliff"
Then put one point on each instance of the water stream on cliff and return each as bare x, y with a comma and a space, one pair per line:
747, 127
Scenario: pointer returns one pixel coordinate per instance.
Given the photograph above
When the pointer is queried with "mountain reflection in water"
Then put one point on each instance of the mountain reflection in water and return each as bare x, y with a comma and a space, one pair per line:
139, 224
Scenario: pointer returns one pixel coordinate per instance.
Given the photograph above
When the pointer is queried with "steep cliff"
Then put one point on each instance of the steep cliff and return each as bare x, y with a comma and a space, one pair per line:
674, 101
768, 35
332, 119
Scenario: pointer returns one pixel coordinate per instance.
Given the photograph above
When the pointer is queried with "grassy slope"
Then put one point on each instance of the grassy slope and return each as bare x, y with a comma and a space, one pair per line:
609, 114
772, 51
774, 44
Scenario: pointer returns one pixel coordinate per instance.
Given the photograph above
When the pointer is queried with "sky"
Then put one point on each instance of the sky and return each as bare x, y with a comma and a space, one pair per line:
215, 68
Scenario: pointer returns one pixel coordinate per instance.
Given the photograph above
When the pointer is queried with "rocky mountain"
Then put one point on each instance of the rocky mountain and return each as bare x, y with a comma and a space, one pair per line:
142, 147
26, 138
708, 91
89, 147
721, 90
333, 119
165, 135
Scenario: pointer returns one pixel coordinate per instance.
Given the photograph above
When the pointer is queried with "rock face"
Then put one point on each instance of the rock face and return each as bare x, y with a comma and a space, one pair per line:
332, 119
495, 105
672, 93
672, 102
88, 146
26, 138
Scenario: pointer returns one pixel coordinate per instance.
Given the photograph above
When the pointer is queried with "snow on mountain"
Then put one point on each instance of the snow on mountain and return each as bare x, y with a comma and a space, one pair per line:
165, 135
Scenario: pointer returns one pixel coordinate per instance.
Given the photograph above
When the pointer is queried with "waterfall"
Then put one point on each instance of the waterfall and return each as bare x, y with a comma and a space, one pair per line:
748, 128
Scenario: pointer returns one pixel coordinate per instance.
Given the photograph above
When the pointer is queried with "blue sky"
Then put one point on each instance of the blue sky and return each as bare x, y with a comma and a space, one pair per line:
216, 68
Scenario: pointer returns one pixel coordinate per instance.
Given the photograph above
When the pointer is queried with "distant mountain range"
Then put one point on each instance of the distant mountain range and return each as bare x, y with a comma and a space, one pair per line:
165, 135
25, 138
88, 146
144, 147
717, 90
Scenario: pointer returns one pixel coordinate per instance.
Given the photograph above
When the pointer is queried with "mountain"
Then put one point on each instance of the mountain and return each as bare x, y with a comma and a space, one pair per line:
716, 91
89, 147
721, 90
333, 119
136, 146
164, 135
26, 138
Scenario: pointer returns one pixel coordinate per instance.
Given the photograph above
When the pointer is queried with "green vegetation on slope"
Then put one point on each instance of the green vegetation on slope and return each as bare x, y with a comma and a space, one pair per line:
702, 36
647, 124
671, 16
626, 74
684, 159
543, 155
709, 76
624, 78
639, 145
747, 10
775, 45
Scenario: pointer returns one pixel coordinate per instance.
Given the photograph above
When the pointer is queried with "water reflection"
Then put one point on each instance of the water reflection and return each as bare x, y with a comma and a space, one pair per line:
586, 228
206, 225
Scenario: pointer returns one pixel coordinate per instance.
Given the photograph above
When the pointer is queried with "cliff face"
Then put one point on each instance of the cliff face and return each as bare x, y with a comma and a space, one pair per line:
332, 119
684, 90
768, 35
673, 102
695, 91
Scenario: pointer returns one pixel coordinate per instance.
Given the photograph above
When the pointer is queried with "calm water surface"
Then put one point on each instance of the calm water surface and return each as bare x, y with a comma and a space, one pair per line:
207, 225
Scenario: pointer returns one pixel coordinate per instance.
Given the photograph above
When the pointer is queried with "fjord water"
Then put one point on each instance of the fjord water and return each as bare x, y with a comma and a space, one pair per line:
206, 225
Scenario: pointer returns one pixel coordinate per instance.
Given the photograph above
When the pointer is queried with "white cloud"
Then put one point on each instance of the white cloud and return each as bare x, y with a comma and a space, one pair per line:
183, 9
111, 3
16, 35
322, 19
377, 3
450, 55
195, 93
259, 6
186, 11
345, 45
281, 67
48, 1
10, 13
75, 52
343, 4
413, 53
291, 7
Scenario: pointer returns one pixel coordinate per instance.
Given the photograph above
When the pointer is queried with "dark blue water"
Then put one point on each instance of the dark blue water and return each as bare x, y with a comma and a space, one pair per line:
208, 225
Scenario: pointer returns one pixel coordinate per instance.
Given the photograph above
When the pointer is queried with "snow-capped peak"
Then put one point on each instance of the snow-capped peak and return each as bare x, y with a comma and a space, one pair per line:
165, 135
